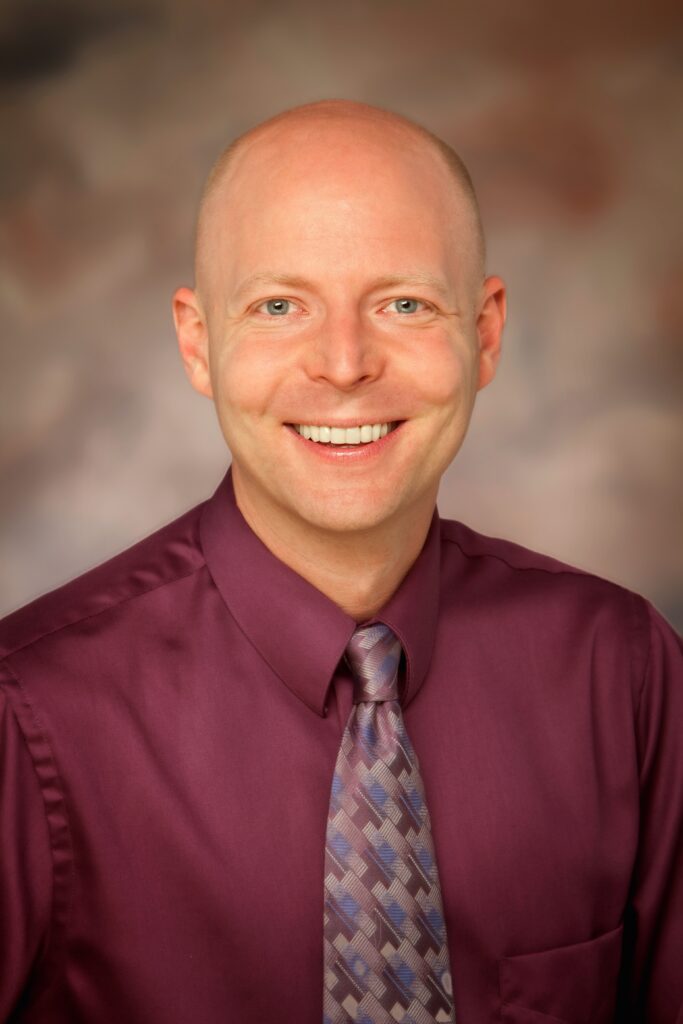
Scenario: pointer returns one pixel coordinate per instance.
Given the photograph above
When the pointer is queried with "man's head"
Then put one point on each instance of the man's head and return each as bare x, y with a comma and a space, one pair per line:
339, 114
340, 283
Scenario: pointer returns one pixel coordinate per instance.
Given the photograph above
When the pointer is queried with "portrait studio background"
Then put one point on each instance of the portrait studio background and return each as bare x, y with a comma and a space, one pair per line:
568, 119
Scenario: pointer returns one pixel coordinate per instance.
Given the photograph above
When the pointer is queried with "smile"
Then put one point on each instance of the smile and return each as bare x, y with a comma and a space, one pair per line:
365, 433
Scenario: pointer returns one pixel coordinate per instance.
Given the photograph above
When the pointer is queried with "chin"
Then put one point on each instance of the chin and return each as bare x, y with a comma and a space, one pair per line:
342, 517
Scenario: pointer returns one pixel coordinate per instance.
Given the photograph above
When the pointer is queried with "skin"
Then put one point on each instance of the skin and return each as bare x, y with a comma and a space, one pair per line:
343, 211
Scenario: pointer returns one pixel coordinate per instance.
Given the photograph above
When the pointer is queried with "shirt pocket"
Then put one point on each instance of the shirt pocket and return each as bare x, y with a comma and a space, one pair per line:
574, 984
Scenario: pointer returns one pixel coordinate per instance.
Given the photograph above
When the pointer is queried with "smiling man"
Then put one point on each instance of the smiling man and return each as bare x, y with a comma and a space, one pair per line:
342, 324
310, 752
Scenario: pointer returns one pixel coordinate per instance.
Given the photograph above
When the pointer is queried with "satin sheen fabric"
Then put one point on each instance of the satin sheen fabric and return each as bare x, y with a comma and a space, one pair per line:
169, 728
385, 947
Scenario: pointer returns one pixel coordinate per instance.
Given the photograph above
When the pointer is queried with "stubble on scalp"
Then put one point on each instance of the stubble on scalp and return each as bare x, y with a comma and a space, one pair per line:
217, 181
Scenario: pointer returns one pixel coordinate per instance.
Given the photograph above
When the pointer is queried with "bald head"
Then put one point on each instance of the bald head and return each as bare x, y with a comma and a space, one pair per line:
343, 130
340, 283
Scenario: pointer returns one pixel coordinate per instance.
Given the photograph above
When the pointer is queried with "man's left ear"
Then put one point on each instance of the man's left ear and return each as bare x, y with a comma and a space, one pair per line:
193, 339
490, 321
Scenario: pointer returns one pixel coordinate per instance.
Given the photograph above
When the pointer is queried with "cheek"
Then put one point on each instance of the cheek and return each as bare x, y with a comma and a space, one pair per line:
448, 371
246, 373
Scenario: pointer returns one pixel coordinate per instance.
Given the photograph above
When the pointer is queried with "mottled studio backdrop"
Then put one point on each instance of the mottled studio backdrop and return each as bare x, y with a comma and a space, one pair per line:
569, 116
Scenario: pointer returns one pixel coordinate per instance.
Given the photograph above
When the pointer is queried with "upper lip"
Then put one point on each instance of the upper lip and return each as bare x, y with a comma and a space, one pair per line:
340, 423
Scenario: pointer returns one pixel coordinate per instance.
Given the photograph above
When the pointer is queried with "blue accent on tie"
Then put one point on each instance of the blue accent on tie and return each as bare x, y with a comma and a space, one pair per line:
396, 913
406, 974
368, 735
386, 852
347, 904
357, 965
436, 922
340, 845
402, 974
425, 860
377, 794
416, 801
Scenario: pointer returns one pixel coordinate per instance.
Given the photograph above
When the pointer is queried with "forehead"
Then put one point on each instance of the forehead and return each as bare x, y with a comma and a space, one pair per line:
314, 194
364, 162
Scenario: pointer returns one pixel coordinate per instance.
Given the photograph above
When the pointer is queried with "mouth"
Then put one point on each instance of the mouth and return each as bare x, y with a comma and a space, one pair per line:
347, 437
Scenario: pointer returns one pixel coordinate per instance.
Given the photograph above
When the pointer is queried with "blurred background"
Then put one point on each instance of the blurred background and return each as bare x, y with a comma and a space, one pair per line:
569, 118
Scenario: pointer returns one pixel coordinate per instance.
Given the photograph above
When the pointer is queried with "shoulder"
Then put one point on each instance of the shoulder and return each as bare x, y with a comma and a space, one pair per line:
486, 552
169, 554
538, 591
474, 545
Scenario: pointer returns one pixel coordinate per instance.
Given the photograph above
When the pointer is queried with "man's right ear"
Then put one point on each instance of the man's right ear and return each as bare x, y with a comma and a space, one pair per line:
193, 339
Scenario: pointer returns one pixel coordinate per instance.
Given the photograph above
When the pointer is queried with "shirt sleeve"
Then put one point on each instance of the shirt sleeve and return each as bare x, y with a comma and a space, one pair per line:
653, 944
25, 863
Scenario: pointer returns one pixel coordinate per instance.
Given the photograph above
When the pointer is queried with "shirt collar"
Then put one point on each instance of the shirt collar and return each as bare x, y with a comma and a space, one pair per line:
299, 631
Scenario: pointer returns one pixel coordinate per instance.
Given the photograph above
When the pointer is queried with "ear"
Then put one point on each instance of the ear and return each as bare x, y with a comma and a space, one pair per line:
193, 339
490, 321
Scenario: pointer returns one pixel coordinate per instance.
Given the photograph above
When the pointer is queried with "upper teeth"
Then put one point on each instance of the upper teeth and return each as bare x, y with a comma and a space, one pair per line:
344, 435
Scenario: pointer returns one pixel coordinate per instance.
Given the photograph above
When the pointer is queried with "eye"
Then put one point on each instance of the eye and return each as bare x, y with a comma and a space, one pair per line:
276, 307
406, 305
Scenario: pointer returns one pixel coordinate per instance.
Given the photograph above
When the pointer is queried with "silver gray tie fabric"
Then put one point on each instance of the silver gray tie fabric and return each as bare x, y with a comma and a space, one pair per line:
385, 945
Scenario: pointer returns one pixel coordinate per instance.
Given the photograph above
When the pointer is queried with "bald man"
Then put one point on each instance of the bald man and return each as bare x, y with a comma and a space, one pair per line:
312, 753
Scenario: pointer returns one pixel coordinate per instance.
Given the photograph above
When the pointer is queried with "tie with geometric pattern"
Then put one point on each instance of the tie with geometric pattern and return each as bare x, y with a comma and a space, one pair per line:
386, 951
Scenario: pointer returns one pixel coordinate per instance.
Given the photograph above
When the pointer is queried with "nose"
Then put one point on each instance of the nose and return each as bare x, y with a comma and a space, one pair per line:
344, 353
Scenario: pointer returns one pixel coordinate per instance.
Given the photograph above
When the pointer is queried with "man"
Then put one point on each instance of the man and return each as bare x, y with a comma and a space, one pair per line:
310, 752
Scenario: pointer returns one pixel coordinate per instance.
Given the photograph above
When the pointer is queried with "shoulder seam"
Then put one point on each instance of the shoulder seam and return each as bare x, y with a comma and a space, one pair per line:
93, 615
562, 569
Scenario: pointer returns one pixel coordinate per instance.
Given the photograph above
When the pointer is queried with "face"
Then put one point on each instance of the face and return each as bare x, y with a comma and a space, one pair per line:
339, 304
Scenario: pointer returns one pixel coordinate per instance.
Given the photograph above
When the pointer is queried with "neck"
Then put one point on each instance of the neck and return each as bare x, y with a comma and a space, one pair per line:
358, 570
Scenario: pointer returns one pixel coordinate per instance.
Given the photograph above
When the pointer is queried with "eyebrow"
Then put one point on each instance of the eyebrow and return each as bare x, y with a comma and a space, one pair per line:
265, 277
380, 283
408, 280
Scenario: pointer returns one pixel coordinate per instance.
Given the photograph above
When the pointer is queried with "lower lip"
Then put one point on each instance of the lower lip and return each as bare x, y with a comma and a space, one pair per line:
348, 453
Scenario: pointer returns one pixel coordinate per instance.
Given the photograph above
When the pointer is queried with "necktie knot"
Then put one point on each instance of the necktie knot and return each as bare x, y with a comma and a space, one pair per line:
374, 652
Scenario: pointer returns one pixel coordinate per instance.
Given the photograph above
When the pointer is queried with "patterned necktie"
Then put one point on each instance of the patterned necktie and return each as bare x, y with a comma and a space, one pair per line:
386, 952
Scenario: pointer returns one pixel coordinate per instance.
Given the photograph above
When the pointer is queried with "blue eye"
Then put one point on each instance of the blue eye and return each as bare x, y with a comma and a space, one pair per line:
277, 307
406, 305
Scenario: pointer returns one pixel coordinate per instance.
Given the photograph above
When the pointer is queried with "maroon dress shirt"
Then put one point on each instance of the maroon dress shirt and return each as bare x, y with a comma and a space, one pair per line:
170, 724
